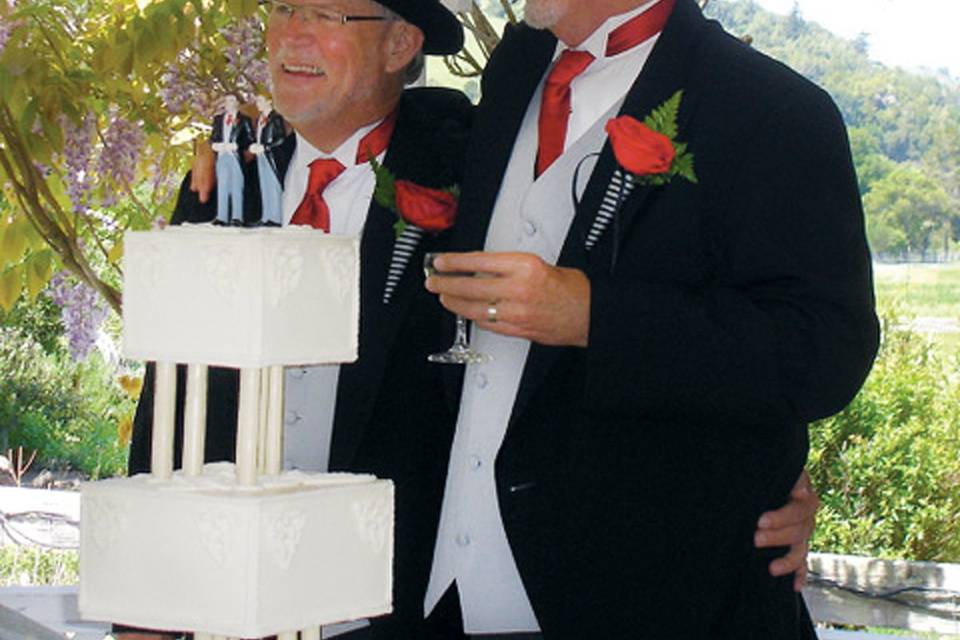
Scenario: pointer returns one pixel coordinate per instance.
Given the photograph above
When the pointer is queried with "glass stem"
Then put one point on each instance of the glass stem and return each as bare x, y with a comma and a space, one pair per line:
461, 338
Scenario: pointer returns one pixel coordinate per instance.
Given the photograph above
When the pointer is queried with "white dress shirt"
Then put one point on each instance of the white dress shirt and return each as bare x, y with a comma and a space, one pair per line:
311, 392
472, 547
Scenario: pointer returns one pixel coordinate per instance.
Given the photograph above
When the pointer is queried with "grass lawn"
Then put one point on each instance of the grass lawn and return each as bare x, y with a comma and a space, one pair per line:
928, 292
925, 290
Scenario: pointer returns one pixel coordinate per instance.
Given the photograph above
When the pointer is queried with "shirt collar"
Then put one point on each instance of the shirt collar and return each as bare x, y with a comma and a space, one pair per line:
346, 153
596, 42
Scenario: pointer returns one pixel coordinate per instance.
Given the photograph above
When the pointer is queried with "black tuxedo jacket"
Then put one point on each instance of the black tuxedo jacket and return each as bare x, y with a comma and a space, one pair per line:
272, 137
392, 418
242, 132
736, 310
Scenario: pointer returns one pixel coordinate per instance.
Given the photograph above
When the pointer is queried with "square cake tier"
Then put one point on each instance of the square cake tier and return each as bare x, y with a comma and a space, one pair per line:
241, 297
200, 554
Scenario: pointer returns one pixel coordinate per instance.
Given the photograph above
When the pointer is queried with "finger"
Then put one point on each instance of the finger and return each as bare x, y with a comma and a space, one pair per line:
800, 578
788, 515
467, 288
794, 512
781, 537
793, 561
495, 263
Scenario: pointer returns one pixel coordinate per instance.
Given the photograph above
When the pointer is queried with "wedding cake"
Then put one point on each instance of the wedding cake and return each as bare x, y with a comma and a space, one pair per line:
239, 550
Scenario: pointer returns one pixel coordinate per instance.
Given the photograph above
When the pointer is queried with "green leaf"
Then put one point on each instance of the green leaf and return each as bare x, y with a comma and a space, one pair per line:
385, 191
11, 283
14, 241
399, 226
663, 119
39, 269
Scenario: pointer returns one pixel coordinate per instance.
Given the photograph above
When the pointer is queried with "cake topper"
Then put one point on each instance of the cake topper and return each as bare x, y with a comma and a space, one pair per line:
231, 137
270, 134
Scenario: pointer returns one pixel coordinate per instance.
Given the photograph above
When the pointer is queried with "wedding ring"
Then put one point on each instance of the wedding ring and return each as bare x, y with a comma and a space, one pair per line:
492, 312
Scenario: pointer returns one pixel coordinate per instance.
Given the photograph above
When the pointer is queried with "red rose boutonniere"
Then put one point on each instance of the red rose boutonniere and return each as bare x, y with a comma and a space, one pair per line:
430, 209
649, 150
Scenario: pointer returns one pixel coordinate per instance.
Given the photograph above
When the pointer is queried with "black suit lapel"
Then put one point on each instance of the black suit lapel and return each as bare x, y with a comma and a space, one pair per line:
388, 284
510, 80
662, 75
378, 323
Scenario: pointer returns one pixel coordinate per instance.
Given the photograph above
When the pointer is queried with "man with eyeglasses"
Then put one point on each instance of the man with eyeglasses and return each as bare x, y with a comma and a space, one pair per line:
338, 73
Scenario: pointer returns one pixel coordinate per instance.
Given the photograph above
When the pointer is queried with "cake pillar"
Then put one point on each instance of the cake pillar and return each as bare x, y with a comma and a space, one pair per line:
262, 421
312, 633
248, 426
195, 420
164, 401
274, 448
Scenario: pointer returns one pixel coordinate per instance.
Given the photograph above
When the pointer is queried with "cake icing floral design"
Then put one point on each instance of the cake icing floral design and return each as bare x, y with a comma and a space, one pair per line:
429, 209
373, 522
285, 272
285, 534
649, 151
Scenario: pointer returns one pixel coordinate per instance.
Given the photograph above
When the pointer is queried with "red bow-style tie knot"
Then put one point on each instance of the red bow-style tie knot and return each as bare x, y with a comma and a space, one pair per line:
555, 108
313, 210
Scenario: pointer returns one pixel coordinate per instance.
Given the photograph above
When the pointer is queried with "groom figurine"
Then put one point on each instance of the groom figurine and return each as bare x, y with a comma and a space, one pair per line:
270, 134
660, 340
232, 134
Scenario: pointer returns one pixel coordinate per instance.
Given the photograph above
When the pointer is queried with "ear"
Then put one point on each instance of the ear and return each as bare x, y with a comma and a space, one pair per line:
403, 43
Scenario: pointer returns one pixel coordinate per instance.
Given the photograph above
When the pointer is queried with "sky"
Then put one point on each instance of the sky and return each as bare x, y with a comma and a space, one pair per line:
905, 33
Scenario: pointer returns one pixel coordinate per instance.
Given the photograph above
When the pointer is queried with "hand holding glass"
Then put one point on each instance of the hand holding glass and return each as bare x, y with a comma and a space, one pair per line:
460, 351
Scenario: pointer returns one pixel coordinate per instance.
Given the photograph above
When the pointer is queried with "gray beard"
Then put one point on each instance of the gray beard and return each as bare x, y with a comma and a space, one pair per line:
542, 14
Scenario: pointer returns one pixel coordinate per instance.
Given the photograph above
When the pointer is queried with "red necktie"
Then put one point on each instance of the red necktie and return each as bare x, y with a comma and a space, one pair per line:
229, 119
555, 107
313, 209
640, 28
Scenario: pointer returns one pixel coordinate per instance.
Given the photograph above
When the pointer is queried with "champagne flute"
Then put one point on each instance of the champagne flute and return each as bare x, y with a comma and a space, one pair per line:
460, 351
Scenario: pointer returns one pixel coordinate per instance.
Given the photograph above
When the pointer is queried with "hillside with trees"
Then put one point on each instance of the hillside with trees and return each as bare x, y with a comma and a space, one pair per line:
904, 127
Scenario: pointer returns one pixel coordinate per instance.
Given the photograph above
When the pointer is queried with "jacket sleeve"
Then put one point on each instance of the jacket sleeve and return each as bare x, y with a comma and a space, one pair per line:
784, 329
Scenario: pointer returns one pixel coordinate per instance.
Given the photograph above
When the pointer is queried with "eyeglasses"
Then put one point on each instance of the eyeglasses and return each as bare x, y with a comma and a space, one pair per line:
284, 11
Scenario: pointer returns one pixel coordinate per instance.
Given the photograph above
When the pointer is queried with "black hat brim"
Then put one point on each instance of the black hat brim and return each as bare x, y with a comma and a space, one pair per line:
442, 32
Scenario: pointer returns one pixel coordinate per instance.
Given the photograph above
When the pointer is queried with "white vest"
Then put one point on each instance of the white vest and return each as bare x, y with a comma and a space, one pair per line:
472, 548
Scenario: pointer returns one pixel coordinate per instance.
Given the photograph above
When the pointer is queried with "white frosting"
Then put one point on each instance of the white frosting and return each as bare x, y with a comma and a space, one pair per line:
201, 554
241, 297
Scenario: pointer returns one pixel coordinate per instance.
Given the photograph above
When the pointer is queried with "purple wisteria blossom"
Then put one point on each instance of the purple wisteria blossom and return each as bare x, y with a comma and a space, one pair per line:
82, 312
77, 152
186, 87
7, 27
117, 164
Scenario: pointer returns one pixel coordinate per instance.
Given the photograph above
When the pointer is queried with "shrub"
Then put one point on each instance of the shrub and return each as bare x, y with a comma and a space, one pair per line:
887, 468
68, 412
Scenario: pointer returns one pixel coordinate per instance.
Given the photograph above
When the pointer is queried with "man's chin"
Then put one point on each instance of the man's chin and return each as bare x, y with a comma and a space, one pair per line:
542, 14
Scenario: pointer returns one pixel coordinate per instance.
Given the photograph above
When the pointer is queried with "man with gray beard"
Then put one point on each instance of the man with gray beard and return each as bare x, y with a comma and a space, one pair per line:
677, 283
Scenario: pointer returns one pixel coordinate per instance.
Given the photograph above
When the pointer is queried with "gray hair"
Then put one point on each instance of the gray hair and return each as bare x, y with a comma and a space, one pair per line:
414, 69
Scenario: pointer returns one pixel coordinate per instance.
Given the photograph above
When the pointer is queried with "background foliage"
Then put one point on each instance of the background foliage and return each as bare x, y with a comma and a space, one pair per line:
887, 467
904, 127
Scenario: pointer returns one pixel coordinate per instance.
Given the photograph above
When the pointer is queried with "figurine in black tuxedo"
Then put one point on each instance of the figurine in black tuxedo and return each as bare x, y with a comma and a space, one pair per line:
271, 132
720, 318
232, 135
